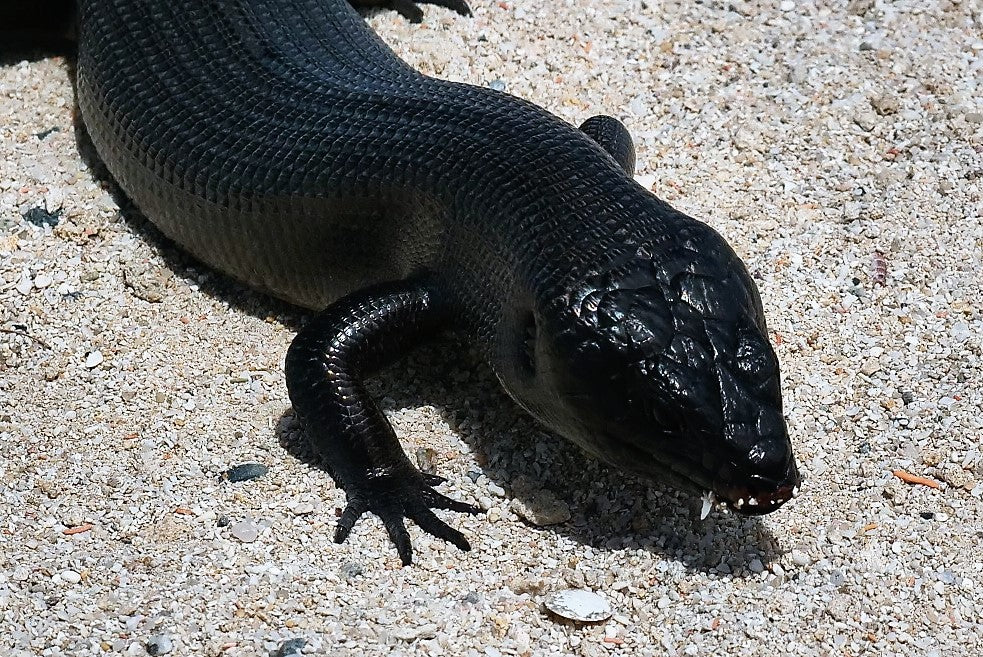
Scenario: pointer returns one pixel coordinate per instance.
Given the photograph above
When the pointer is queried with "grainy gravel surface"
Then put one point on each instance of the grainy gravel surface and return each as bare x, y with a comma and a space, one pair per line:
839, 146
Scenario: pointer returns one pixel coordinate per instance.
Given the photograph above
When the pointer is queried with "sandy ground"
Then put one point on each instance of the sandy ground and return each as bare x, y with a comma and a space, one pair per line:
838, 146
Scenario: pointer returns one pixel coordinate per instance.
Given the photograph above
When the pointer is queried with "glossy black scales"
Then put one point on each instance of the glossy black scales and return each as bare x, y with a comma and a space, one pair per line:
282, 142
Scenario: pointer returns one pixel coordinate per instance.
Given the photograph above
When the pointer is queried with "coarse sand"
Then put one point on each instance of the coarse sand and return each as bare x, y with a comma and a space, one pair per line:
839, 148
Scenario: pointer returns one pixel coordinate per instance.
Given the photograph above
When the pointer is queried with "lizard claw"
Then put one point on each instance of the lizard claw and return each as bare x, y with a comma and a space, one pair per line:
403, 496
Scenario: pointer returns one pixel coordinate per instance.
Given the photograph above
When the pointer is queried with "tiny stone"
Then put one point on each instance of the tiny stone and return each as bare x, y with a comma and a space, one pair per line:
787, 5
974, 117
223, 521
427, 631
42, 281
496, 490
351, 569
301, 508
865, 119
885, 104
245, 472
497, 85
245, 531
146, 280
859, 7
425, 458
870, 366
24, 285
755, 566
159, 644
801, 558
70, 576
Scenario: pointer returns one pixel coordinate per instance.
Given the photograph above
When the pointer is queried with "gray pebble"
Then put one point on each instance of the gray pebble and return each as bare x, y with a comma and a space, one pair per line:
885, 104
245, 472
425, 457
146, 280
40, 217
497, 85
290, 648
351, 569
865, 119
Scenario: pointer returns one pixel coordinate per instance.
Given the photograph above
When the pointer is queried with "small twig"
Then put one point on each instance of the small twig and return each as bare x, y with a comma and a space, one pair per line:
26, 335
909, 478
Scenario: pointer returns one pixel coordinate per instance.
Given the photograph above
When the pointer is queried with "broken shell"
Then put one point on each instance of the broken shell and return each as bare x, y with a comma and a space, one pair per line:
578, 605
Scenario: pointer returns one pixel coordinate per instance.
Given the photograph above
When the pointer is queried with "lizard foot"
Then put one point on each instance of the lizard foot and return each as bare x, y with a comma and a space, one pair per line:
394, 497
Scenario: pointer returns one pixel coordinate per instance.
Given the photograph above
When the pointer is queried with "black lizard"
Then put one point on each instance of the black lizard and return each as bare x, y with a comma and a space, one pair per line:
282, 142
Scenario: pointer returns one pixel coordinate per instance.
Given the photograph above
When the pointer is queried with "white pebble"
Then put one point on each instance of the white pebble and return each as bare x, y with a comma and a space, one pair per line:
496, 490
245, 531
24, 285
301, 508
70, 576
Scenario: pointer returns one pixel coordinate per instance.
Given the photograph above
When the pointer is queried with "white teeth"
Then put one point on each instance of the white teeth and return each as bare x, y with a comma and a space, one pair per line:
708, 500
752, 501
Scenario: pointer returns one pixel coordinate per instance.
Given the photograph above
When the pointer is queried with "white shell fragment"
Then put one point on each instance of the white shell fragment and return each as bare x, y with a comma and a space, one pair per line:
93, 359
708, 501
578, 605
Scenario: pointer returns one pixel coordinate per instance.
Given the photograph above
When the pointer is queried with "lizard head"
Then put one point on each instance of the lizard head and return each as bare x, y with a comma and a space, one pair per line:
659, 363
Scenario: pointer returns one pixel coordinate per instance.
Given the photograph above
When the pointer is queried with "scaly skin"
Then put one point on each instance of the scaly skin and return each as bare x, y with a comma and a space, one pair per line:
283, 143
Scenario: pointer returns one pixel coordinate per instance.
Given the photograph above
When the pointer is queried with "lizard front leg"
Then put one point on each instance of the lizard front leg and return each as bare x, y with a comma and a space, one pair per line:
325, 368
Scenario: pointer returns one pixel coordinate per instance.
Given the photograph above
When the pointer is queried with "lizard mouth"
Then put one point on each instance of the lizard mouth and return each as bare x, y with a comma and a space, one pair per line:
758, 494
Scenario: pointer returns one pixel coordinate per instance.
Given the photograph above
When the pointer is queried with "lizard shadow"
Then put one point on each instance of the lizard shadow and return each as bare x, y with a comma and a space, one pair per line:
609, 509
